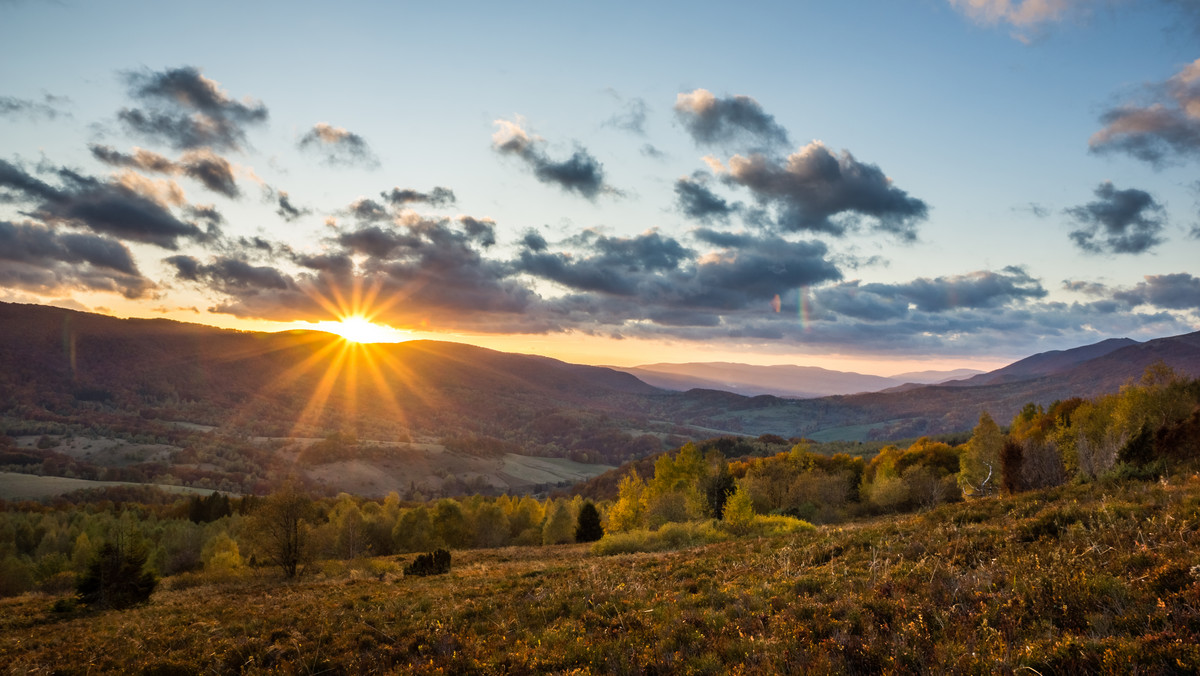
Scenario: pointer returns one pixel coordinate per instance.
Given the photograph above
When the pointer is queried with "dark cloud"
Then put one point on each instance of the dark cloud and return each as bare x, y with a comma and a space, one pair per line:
580, 173
207, 213
338, 264
40, 259
112, 208
49, 108
368, 210
1178, 291
188, 110
1165, 128
438, 197
656, 278
612, 265
377, 242
723, 121
981, 290
338, 147
534, 241
482, 230
696, 201
817, 191
422, 272
230, 275
286, 210
1120, 221
214, 171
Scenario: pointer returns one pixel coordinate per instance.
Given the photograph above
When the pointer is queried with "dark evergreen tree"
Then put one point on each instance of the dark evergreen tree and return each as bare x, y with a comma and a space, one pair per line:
588, 528
1012, 457
116, 578
436, 562
717, 489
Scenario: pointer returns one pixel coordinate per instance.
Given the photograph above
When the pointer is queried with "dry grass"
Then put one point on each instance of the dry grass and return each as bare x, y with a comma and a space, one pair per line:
1080, 579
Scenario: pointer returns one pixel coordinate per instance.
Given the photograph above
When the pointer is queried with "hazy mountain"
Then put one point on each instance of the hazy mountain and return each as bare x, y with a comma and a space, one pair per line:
785, 380
1048, 363
935, 409
934, 377
60, 365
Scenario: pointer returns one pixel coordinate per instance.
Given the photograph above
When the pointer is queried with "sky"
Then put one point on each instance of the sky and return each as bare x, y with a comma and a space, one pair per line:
879, 186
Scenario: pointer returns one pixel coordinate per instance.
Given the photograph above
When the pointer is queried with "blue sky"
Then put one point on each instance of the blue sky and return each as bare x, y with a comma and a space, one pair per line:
871, 185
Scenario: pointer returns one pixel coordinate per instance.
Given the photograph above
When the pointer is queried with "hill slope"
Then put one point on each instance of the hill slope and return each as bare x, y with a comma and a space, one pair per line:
784, 380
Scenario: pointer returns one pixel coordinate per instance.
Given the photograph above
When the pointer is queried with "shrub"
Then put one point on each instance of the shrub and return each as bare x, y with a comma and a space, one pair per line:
116, 578
671, 536
436, 562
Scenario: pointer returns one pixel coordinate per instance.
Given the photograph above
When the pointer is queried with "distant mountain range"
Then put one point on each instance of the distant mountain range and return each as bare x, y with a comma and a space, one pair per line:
802, 382
60, 365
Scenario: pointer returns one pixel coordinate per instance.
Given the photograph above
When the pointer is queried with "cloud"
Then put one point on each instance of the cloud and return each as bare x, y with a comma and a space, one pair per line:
39, 259
1178, 291
632, 117
1119, 222
338, 147
651, 277
976, 290
131, 208
212, 170
49, 108
815, 190
286, 210
720, 121
1029, 18
368, 210
422, 273
612, 265
1020, 13
696, 201
187, 110
1163, 129
648, 150
231, 275
581, 173
438, 197
482, 230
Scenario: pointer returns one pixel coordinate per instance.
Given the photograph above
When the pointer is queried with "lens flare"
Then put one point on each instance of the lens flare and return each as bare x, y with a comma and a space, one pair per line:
359, 329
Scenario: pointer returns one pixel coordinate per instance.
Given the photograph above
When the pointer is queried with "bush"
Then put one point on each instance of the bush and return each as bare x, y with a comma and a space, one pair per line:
116, 578
671, 536
436, 562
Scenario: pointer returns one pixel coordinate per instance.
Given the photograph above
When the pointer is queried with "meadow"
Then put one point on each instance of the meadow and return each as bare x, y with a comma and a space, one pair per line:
1084, 578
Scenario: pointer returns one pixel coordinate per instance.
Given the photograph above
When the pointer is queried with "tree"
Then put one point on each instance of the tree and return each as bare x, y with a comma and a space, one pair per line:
1012, 456
116, 577
588, 528
717, 489
559, 527
491, 525
739, 511
282, 526
628, 512
979, 467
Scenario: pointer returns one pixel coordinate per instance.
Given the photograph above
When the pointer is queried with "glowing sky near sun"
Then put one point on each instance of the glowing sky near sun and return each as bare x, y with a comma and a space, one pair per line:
883, 186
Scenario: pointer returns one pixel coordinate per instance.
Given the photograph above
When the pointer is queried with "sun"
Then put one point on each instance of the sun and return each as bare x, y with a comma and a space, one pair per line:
359, 329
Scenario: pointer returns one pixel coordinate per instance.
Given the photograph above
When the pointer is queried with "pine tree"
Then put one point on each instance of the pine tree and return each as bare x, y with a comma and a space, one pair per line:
588, 528
116, 578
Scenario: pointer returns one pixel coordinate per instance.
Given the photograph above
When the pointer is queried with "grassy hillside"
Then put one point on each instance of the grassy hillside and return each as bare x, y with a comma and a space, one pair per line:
1087, 578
